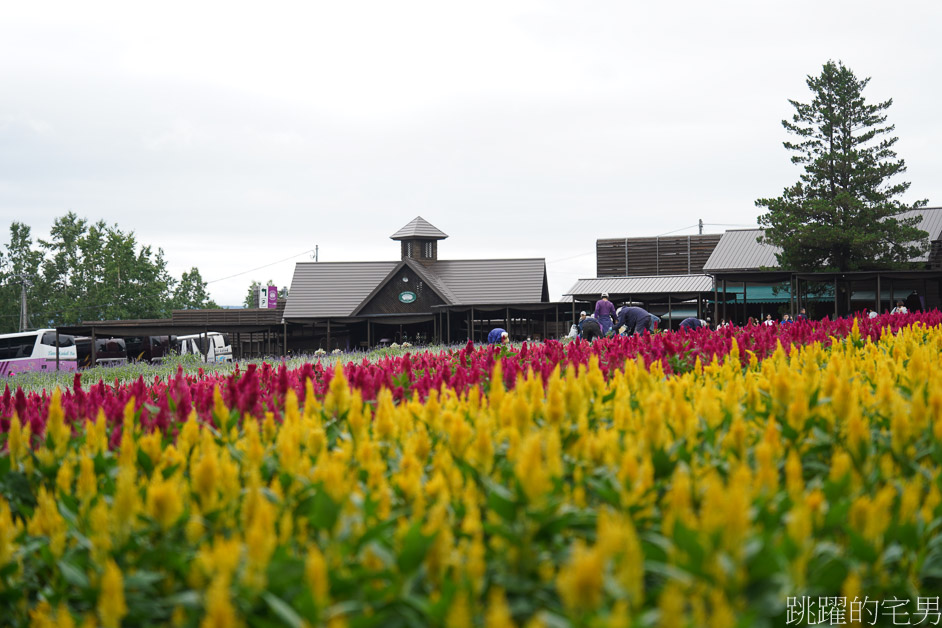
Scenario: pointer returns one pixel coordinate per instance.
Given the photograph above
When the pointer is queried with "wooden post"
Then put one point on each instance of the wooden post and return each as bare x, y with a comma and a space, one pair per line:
716, 302
448, 323
745, 303
94, 353
835, 297
670, 313
507, 320
472, 324
284, 348
556, 307
724, 301
328, 335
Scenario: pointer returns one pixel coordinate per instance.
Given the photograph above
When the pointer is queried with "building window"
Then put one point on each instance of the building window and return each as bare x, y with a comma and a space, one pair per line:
429, 250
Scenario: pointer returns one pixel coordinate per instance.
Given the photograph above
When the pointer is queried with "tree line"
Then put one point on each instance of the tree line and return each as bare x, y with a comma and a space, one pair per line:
89, 271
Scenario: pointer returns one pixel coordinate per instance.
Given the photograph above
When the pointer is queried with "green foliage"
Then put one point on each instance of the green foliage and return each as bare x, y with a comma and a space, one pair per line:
89, 271
191, 293
844, 213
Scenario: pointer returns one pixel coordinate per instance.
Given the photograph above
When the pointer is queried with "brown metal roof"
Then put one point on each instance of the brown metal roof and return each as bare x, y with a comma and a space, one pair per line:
322, 289
494, 280
337, 289
419, 228
433, 280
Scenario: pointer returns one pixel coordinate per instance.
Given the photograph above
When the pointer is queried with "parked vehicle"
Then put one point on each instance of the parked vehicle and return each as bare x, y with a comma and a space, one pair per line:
35, 351
212, 346
108, 351
149, 348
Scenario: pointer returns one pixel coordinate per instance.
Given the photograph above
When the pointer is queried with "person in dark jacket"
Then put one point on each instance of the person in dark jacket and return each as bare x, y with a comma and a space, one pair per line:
591, 329
497, 336
605, 313
693, 323
636, 320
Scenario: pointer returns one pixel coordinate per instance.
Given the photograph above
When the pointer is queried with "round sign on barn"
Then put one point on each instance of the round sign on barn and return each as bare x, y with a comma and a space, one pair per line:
407, 296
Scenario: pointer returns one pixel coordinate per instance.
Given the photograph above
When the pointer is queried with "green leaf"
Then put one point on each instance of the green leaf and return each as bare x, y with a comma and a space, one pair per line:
144, 460
284, 612
501, 501
415, 546
321, 510
73, 575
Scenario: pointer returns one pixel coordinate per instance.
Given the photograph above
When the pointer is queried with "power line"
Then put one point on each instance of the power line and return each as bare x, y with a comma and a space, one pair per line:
252, 270
563, 259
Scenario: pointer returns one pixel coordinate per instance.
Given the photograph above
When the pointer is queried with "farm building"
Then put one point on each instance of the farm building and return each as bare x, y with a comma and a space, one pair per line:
418, 298
732, 276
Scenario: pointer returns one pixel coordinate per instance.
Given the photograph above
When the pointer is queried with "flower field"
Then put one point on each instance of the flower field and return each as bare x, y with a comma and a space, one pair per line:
688, 479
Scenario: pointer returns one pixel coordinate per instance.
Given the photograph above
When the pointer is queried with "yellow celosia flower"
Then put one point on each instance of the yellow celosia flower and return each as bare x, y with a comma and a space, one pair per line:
164, 501
579, 581
219, 610
46, 521
315, 572
111, 604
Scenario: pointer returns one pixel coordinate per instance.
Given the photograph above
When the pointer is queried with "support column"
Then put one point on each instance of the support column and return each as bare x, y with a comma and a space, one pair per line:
328, 335
95, 353
57, 348
472, 324
556, 307
878, 300
745, 303
835, 297
284, 347
507, 320
448, 324
670, 313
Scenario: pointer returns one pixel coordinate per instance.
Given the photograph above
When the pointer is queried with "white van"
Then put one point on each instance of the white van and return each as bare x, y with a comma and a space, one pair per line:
212, 346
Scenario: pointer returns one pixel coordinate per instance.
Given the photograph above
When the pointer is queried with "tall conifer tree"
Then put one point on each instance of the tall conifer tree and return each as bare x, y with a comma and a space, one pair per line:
844, 213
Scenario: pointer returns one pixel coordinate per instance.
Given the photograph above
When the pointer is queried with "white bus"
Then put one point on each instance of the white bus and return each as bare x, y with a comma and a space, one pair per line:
211, 346
35, 351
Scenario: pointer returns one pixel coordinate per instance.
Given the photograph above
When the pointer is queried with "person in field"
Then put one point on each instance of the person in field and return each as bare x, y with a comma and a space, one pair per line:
636, 320
591, 329
605, 313
498, 336
694, 323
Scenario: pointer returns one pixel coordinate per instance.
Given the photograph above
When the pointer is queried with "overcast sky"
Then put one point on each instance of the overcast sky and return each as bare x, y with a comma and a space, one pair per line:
236, 135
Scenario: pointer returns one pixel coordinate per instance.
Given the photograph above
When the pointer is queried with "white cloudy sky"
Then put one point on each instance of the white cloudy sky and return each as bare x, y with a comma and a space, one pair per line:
234, 135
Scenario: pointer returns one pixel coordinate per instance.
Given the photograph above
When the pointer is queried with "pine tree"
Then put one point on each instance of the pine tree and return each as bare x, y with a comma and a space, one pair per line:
844, 213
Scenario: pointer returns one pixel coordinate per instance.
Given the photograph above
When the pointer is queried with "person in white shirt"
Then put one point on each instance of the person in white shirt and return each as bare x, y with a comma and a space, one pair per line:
900, 308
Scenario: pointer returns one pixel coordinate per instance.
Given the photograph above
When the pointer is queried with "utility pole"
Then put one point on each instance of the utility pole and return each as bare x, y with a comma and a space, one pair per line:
24, 316
701, 226
316, 247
